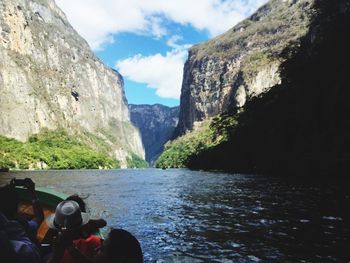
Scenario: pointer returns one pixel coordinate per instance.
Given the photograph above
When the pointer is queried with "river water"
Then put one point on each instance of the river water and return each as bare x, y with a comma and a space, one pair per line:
186, 216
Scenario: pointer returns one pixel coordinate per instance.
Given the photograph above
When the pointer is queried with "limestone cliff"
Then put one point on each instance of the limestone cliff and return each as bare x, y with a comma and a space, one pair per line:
49, 78
302, 126
156, 124
242, 63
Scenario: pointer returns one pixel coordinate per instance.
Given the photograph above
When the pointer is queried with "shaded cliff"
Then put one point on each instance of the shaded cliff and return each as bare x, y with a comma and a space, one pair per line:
302, 126
156, 124
242, 63
49, 78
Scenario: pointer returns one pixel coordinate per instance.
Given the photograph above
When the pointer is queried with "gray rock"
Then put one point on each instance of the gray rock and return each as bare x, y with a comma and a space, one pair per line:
50, 78
156, 124
227, 71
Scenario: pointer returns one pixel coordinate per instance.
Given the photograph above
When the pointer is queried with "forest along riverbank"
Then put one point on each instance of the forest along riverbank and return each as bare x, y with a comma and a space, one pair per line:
202, 216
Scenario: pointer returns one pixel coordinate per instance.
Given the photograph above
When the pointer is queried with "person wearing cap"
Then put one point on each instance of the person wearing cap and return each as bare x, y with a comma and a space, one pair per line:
94, 223
88, 229
69, 246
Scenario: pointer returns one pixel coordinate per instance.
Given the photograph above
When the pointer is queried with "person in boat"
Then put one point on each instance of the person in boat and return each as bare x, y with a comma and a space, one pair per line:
94, 224
88, 229
15, 244
17, 236
9, 202
70, 244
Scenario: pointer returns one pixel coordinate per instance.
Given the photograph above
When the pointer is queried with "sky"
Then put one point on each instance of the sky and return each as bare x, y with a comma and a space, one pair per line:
147, 41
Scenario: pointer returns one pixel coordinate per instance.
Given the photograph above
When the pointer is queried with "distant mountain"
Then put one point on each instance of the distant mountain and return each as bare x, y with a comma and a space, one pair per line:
50, 78
156, 124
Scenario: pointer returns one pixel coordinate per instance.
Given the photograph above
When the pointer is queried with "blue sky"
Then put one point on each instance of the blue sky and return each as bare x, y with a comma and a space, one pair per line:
148, 41
128, 45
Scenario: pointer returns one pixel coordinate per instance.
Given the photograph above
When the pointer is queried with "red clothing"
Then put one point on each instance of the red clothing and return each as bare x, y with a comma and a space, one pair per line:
86, 246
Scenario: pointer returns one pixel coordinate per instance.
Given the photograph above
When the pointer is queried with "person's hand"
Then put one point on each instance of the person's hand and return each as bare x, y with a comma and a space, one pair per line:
29, 184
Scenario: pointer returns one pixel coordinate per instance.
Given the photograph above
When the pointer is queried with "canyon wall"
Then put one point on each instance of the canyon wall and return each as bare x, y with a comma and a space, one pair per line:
229, 70
50, 78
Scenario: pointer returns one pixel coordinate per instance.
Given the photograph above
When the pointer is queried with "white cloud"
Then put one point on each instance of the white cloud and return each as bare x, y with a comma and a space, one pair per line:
172, 42
160, 72
98, 20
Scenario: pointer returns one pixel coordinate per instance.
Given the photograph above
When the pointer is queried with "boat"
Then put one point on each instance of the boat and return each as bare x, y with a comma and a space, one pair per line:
48, 199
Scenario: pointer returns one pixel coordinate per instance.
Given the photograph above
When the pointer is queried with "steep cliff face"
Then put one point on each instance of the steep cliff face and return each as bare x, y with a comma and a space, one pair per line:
49, 78
156, 124
302, 126
242, 63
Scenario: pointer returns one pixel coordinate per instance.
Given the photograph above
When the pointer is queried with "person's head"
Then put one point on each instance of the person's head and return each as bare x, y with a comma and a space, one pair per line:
8, 201
79, 200
120, 247
67, 215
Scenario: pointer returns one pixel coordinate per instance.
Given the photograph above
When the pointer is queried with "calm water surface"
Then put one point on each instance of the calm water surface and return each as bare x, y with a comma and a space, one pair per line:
186, 216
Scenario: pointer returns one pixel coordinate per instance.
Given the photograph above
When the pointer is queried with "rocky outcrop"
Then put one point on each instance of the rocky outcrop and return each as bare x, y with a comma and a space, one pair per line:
50, 78
231, 69
302, 126
156, 124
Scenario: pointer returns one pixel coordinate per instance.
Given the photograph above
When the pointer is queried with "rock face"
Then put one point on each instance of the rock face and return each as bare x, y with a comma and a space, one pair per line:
156, 124
50, 78
302, 126
242, 63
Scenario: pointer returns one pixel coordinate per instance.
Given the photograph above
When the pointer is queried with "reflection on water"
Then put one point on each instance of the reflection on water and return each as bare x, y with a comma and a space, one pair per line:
186, 216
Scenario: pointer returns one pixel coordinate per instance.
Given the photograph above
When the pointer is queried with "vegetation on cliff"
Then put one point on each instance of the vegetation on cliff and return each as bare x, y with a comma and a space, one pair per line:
270, 29
52, 150
136, 162
206, 135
